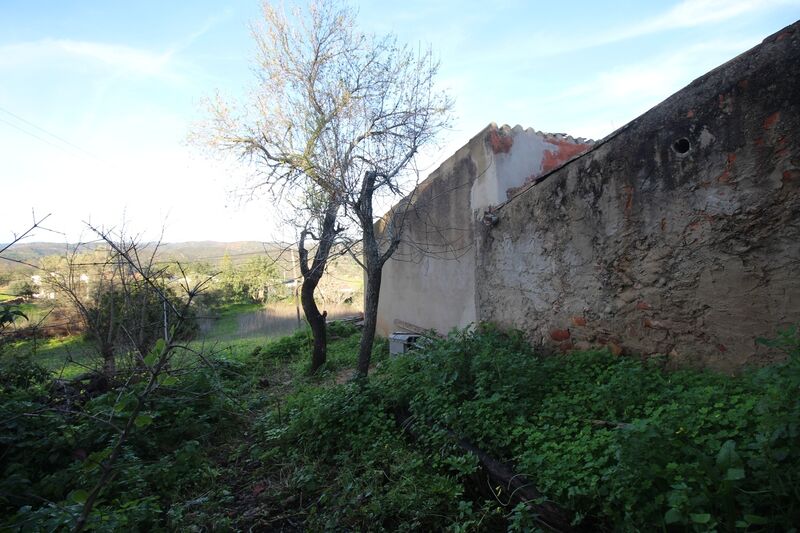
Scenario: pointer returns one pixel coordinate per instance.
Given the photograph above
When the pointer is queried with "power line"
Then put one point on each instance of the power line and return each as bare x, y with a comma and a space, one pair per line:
51, 134
29, 133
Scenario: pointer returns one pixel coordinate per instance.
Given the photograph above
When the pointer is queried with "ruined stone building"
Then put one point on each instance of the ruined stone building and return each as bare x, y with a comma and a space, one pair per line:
678, 234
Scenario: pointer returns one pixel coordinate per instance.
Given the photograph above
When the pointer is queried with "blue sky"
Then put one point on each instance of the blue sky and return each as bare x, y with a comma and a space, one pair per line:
97, 97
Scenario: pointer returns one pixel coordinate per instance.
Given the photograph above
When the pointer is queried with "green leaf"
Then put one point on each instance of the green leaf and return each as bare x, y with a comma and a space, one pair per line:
151, 358
125, 403
143, 421
78, 496
765, 342
735, 474
167, 380
700, 518
673, 516
159, 347
727, 456
756, 520
94, 461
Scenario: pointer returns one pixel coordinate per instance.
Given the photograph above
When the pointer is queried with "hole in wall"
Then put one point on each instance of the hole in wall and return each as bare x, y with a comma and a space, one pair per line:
682, 145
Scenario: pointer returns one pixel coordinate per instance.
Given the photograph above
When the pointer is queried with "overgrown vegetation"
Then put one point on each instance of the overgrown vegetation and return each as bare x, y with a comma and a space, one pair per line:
253, 441
620, 444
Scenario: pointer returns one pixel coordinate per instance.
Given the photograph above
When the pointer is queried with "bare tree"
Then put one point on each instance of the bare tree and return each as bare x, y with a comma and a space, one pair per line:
119, 294
153, 364
336, 124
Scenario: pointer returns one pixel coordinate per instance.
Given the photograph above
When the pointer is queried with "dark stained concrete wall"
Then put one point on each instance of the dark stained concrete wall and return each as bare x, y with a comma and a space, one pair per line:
679, 234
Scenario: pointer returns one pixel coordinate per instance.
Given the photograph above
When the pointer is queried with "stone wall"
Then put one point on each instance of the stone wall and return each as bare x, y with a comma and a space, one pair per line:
678, 234
430, 280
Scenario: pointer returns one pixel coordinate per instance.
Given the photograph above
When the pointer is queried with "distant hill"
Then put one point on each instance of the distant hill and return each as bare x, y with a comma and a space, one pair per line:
209, 251
30, 251
344, 270
212, 251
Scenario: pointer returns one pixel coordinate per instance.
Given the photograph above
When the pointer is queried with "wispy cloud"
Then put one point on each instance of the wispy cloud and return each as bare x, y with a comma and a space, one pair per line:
693, 13
119, 58
685, 14
614, 96
659, 76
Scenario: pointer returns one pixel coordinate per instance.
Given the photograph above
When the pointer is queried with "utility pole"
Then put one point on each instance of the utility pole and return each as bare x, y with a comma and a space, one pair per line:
166, 325
296, 298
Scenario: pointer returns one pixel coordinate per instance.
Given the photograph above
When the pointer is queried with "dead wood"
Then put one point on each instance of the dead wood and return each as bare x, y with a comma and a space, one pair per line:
499, 474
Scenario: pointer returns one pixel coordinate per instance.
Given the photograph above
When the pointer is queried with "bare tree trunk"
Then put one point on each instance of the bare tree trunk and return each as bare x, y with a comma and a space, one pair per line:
373, 266
317, 322
109, 363
372, 291
311, 277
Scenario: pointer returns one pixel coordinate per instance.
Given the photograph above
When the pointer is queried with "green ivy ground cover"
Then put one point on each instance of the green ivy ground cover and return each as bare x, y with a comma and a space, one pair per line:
621, 444
252, 442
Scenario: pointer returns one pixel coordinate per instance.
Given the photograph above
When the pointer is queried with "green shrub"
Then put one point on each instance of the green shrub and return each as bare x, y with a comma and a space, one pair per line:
618, 441
19, 371
52, 451
289, 347
350, 455
341, 329
620, 444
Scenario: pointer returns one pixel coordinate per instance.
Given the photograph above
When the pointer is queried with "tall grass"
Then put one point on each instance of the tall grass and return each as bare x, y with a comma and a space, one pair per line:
281, 319
246, 321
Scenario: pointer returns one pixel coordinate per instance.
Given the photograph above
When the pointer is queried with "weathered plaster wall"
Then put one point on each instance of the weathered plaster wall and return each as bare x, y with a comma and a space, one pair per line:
679, 234
430, 280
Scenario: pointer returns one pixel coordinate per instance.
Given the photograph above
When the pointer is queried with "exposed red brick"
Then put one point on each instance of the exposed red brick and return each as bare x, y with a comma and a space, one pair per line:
565, 151
771, 120
690, 113
791, 176
628, 199
559, 334
725, 177
694, 225
743, 84
500, 143
579, 321
647, 323
722, 348
642, 305
615, 348
726, 103
565, 347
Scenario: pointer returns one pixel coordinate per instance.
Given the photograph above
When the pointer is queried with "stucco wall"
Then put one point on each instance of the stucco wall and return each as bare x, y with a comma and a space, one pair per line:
430, 280
650, 250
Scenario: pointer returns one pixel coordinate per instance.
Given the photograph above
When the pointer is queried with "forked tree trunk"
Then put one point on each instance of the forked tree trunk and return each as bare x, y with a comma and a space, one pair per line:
311, 277
317, 322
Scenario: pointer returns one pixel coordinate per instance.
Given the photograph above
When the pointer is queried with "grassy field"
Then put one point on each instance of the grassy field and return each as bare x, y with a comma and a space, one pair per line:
66, 356
233, 332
